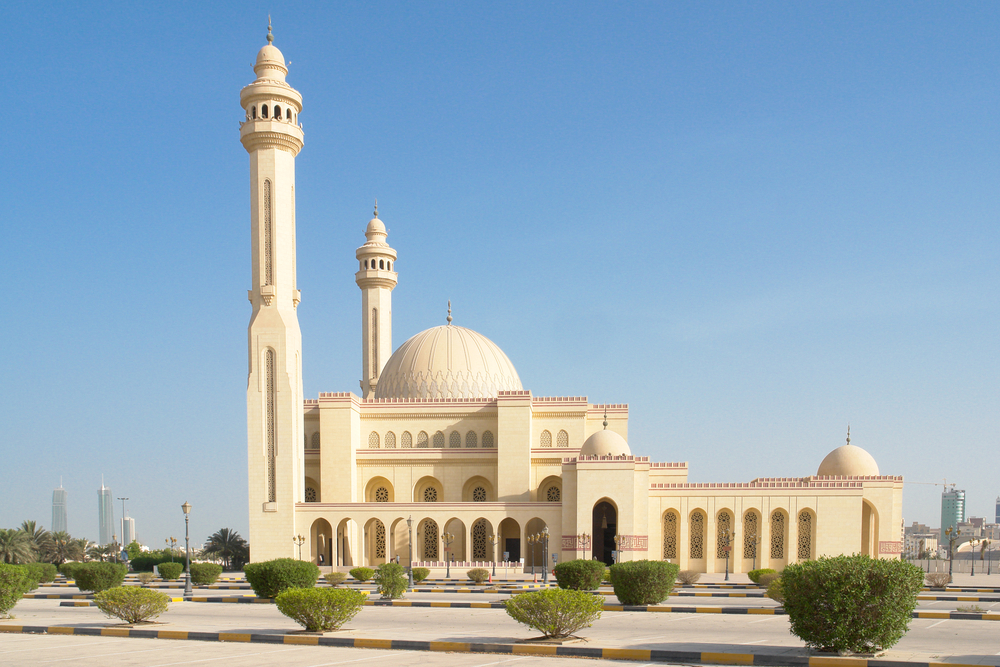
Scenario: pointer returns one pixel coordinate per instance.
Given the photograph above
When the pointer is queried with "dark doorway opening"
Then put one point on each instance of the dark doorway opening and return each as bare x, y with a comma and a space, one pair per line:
604, 530
512, 545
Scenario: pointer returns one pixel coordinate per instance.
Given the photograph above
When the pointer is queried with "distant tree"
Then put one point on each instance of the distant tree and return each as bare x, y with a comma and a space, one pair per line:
102, 552
15, 546
229, 546
37, 535
133, 549
61, 547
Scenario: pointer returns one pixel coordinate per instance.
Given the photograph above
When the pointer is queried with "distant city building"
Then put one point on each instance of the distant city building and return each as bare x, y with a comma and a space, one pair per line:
59, 510
952, 510
105, 514
997, 519
128, 530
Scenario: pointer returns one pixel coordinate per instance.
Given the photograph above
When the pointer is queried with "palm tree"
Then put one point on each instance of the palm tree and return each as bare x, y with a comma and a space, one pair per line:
61, 547
229, 546
15, 546
37, 535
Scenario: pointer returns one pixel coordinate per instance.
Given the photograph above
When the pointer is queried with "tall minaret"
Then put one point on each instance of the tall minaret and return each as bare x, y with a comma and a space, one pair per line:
376, 279
272, 136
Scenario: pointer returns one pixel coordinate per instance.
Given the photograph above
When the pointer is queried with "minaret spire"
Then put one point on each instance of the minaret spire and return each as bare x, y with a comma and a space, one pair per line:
848, 434
270, 37
449, 311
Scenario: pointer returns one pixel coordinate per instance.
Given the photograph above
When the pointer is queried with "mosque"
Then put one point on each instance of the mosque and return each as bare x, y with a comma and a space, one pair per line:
444, 455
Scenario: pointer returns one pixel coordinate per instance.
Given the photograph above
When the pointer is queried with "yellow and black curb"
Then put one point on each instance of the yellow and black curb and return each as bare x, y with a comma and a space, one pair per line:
647, 655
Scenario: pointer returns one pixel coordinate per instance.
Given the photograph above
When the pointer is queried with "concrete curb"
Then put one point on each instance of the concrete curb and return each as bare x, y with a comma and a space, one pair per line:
647, 655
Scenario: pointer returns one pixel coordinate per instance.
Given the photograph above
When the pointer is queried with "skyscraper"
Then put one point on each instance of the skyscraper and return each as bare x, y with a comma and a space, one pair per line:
128, 530
59, 509
105, 514
952, 510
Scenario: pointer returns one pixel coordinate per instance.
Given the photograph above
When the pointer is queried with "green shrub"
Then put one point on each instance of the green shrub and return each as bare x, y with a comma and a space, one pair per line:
320, 609
99, 577
14, 582
850, 603
269, 578
146, 578
420, 573
42, 573
556, 612
203, 574
640, 582
132, 604
688, 577
68, 569
170, 570
755, 574
391, 580
765, 579
335, 578
607, 575
580, 574
362, 573
478, 575
938, 579
774, 589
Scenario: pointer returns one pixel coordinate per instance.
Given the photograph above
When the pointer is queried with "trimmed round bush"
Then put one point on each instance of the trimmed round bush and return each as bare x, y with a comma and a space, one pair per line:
320, 609
420, 573
68, 569
391, 580
688, 577
42, 573
642, 582
170, 570
579, 574
146, 578
478, 575
774, 590
99, 577
272, 577
335, 578
132, 604
850, 603
765, 579
203, 574
362, 574
556, 612
14, 583
756, 574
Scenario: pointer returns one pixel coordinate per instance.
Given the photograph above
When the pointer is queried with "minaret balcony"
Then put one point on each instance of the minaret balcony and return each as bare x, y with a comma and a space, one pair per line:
270, 133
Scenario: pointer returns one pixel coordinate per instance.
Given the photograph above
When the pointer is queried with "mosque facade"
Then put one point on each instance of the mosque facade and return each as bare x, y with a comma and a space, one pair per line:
443, 454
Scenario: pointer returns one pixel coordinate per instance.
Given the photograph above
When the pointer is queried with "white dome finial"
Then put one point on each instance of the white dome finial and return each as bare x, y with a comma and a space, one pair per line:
376, 207
449, 311
848, 434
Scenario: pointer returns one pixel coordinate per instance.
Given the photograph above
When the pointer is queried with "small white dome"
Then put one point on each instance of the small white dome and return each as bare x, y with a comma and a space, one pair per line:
270, 63
605, 443
850, 461
447, 362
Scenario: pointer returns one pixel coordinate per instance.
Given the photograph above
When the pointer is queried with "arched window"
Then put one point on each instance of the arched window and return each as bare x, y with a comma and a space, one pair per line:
381, 264
373, 440
253, 112
388, 265
777, 535
562, 439
805, 535
455, 439
390, 440
263, 111
366, 263
479, 495
381, 495
406, 441
480, 548
439, 439
723, 533
488, 439
697, 534
546, 439
374, 348
470, 439
277, 112
430, 536
553, 495
430, 495
315, 440
422, 439
288, 113
751, 534
379, 539
270, 425
310, 494
670, 526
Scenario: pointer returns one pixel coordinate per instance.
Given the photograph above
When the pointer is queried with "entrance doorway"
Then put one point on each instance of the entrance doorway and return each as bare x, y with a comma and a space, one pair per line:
604, 530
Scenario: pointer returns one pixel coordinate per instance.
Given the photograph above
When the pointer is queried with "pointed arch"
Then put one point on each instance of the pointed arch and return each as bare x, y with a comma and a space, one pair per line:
671, 533
696, 532
807, 524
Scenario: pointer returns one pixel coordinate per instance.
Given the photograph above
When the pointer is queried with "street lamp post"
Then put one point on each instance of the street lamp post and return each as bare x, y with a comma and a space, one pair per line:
545, 554
186, 507
972, 543
447, 538
494, 540
409, 542
952, 534
299, 540
618, 549
756, 543
728, 548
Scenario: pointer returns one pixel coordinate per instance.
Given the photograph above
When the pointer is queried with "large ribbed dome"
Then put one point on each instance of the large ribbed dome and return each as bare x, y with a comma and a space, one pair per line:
447, 362
849, 461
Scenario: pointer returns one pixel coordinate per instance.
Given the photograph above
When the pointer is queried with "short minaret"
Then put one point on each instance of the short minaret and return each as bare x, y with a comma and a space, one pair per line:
272, 136
376, 279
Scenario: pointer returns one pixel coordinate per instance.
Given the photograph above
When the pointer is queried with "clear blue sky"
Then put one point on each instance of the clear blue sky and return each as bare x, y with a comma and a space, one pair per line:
752, 222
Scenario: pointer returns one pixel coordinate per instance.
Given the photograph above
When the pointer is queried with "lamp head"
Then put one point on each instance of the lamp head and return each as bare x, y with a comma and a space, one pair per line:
186, 507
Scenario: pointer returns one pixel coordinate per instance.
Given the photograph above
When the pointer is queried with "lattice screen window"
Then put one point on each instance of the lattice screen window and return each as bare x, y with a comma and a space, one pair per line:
430, 495
439, 439
471, 440
805, 535
268, 236
381, 495
406, 441
390, 440
723, 526
488, 439
430, 539
422, 439
379, 539
697, 535
670, 535
777, 535
479, 495
479, 543
454, 439
553, 494
310, 494
315, 440
546, 440
272, 447
373, 440
374, 348
562, 439
751, 526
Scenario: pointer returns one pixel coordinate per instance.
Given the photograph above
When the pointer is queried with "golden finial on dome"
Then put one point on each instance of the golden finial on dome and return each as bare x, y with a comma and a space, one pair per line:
449, 311
605, 418
270, 37
848, 434
376, 207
